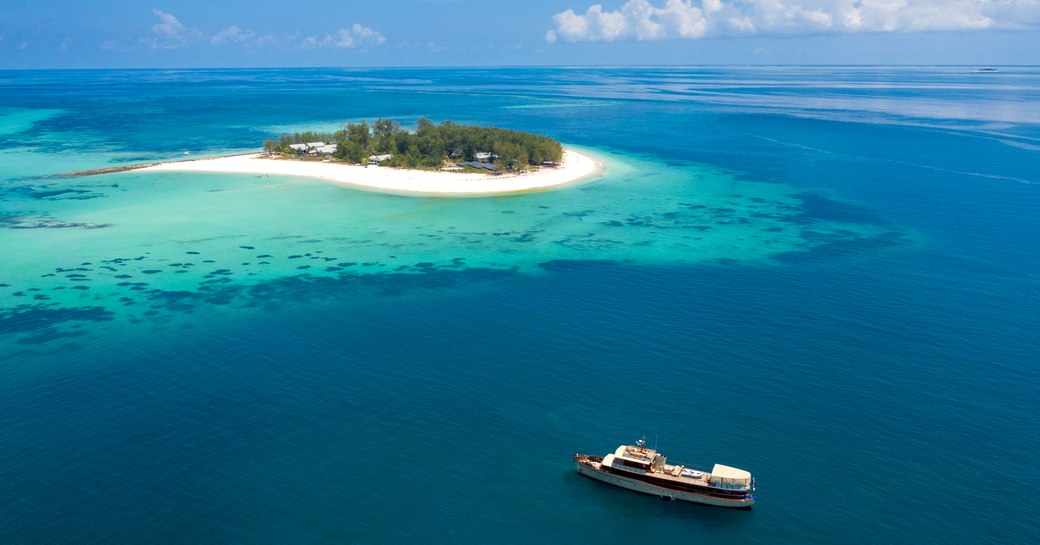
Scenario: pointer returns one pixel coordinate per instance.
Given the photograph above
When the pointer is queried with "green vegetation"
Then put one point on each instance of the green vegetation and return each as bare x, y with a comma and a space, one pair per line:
430, 145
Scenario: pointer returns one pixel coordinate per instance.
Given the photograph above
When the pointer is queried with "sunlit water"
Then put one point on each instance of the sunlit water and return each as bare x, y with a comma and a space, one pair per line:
825, 276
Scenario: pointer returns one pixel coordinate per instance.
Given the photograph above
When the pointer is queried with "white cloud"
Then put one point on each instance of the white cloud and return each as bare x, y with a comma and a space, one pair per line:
232, 34
170, 27
645, 20
170, 33
354, 37
267, 40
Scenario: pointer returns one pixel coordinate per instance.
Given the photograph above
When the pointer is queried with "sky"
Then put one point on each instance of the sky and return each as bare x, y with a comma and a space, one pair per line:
262, 33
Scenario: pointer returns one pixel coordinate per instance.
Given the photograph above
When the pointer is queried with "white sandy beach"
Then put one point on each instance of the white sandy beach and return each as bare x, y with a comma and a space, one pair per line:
575, 166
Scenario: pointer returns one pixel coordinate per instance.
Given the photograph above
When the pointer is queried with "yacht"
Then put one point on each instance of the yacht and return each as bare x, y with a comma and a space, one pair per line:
645, 470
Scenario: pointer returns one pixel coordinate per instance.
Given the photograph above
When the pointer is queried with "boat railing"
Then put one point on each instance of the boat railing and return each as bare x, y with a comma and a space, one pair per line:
711, 492
707, 473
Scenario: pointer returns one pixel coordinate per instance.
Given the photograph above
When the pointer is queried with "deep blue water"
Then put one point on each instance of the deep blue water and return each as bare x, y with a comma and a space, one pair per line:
874, 365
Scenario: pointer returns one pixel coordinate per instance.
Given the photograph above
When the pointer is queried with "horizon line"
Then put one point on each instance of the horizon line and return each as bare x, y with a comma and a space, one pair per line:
508, 66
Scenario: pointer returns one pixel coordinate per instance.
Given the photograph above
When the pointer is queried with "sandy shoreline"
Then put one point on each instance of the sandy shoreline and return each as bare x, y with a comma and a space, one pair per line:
576, 166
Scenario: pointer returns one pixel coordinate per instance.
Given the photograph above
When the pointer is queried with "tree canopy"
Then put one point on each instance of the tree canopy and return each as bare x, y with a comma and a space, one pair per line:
430, 145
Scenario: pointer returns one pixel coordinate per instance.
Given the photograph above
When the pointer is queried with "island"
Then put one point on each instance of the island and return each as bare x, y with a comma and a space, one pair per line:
434, 160
430, 146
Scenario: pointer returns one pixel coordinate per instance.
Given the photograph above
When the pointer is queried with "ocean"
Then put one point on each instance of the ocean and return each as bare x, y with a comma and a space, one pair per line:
824, 275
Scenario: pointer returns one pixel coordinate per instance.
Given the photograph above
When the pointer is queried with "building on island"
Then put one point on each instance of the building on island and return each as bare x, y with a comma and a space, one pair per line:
479, 164
313, 148
376, 159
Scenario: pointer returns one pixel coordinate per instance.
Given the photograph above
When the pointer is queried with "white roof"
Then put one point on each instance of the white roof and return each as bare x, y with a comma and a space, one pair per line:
730, 475
328, 148
315, 144
299, 147
643, 456
380, 157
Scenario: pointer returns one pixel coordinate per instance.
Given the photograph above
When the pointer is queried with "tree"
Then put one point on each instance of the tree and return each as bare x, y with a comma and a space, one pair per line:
385, 133
383, 127
350, 151
510, 155
360, 135
430, 144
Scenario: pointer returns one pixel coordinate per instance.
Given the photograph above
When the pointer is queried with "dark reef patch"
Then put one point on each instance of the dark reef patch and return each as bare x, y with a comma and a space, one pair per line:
40, 317
44, 320
585, 243
304, 287
181, 301
559, 265
56, 193
45, 222
838, 245
816, 207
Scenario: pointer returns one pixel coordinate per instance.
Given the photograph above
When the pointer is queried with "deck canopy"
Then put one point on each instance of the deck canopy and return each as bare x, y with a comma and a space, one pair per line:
635, 454
726, 475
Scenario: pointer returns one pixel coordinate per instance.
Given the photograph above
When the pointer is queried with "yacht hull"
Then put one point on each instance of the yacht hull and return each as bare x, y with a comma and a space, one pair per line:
647, 488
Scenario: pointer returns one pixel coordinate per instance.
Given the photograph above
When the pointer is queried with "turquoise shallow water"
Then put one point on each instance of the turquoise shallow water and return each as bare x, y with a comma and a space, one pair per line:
823, 275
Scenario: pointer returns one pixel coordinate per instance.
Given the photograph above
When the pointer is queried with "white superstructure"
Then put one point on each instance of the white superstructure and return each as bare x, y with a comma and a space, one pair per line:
642, 469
